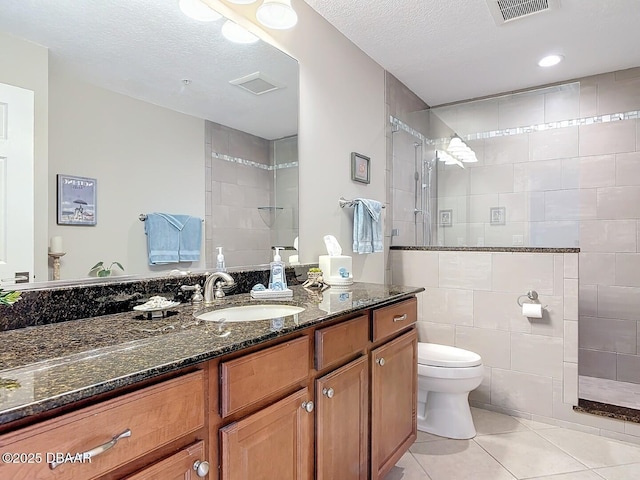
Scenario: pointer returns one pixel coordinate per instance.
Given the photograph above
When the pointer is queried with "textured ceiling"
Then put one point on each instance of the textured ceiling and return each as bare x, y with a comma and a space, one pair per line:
451, 50
128, 47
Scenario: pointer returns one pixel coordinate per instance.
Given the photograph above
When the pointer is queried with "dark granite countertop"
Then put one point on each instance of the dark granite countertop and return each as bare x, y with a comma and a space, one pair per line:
49, 366
435, 248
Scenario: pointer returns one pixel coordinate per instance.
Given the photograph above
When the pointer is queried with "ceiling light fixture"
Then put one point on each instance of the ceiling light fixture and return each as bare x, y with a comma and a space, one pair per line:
242, 2
550, 60
198, 10
277, 14
235, 33
460, 151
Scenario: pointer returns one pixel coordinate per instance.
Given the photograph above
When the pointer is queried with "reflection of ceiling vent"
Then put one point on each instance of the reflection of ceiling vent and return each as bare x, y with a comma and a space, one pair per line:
256, 83
504, 11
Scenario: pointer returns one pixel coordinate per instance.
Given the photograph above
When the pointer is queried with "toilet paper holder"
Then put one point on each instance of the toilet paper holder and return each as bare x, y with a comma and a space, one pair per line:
531, 295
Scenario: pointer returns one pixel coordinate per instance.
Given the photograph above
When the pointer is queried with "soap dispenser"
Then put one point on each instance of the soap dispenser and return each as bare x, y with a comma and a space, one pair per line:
277, 279
220, 266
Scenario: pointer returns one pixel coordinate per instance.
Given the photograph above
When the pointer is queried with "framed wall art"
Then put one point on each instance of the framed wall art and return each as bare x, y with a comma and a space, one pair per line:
76, 200
360, 168
497, 215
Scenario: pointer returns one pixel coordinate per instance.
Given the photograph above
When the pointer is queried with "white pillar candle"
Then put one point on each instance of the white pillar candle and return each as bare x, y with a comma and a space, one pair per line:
55, 246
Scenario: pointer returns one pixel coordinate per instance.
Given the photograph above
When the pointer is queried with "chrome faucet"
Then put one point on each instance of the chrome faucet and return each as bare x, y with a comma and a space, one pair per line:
216, 280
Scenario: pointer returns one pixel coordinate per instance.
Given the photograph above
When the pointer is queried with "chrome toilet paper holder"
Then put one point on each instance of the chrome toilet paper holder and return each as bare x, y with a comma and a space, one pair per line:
531, 295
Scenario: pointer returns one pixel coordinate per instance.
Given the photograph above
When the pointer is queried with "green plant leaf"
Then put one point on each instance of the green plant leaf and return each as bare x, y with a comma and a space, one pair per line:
118, 264
97, 265
104, 273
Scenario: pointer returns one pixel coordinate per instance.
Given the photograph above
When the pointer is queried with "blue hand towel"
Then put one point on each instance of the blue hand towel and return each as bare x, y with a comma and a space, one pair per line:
367, 226
172, 238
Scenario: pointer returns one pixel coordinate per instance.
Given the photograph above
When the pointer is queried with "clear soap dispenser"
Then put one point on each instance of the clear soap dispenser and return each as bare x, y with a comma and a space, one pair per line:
220, 266
277, 279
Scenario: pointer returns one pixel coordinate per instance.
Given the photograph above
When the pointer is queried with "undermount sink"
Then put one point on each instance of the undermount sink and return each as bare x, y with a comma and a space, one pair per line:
248, 313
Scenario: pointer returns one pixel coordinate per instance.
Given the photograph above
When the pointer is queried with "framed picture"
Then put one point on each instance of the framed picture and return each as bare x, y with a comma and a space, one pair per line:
445, 218
360, 170
76, 200
497, 215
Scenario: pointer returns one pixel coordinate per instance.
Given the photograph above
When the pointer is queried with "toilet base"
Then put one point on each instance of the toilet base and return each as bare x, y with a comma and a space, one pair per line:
446, 415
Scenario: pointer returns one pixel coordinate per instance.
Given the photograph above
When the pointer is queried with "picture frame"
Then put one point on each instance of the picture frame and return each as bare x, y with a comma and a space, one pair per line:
360, 168
497, 215
445, 218
76, 203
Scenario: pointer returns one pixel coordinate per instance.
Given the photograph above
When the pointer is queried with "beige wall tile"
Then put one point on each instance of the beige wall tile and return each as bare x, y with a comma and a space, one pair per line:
447, 305
552, 144
516, 205
552, 321
492, 345
571, 341
507, 149
537, 176
571, 261
570, 383
619, 96
537, 354
611, 137
562, 204
520, 110
619, 202
482, 394
628, 368
558, 274
618, 302
499, 311
627, 269
440, 333
562, 104
588, 300
588, 99
502, 235
593, 363
628, 168
479, 207
454, 180
608, 334
467, 270
598, 171
415, 268
598, 268
571, 293
522, 391
608, 236
588, 204
521, 272
491, 179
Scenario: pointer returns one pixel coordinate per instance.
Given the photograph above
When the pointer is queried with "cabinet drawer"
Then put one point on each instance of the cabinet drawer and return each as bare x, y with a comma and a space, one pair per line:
154, 417
178, 466
339, 341
391, 319
257, 376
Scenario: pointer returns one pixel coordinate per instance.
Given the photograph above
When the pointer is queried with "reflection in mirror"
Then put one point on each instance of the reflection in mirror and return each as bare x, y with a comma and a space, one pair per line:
142, 100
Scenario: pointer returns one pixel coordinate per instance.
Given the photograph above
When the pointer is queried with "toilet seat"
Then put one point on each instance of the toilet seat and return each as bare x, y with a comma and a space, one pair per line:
435, 355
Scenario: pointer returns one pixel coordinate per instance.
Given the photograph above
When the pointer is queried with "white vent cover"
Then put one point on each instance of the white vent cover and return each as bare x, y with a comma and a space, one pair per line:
504, 11
257, 83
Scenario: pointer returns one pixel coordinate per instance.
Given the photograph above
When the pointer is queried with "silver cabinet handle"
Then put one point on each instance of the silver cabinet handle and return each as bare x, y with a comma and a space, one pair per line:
328, 392
400, 318
201, 468
380, 361
308, 406
99, 450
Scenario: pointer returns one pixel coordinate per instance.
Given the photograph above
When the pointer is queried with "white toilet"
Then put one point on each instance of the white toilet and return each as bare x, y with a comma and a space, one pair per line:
446, 375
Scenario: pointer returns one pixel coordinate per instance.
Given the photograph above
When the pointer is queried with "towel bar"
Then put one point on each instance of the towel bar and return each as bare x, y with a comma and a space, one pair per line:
143, 216
349, 203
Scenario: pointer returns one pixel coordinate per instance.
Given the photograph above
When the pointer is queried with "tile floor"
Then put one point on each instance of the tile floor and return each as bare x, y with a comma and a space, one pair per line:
508, 448
610, 391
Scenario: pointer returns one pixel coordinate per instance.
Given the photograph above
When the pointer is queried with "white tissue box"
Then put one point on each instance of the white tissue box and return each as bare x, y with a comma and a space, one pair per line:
336, 269
336, 300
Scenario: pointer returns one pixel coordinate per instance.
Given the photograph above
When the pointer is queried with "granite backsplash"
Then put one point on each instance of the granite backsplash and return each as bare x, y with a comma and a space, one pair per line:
61, 304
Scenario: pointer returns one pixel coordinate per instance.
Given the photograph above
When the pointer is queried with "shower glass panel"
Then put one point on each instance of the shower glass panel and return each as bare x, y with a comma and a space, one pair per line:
524, 189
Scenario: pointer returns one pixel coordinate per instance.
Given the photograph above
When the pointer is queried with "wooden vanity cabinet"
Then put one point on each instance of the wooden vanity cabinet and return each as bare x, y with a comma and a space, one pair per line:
187, 464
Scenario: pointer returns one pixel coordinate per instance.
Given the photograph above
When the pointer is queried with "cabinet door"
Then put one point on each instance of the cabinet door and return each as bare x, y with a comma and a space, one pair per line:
341, 423
274, 443
179, 466
394, 370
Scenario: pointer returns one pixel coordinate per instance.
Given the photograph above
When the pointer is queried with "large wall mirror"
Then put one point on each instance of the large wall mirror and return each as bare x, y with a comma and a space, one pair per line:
167, 115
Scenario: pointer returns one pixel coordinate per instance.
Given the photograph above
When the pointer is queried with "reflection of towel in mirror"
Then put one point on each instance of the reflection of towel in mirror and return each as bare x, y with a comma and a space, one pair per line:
367, 226
173, 238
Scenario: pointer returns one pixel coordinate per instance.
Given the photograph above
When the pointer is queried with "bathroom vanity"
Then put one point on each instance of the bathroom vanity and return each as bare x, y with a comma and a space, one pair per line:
321, 394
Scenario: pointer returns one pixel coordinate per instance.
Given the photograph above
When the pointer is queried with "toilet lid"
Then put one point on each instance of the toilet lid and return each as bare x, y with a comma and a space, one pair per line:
445, 356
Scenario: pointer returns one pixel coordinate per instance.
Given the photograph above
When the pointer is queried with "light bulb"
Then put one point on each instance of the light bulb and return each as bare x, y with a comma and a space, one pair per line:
277, 14
550, 60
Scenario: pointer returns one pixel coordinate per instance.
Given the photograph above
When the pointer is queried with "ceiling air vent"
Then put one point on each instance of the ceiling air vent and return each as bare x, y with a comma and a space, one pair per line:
256, 83
504, 11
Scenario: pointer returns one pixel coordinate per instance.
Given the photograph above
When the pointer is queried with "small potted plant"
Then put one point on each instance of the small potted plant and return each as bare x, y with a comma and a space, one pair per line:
101, 271
9, 297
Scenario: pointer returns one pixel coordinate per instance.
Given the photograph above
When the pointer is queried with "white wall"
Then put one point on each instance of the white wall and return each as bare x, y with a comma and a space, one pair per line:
531, 367
145, 159
25, 65
342, 110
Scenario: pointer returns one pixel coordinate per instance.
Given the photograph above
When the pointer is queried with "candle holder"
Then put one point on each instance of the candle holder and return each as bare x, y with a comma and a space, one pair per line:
56, 263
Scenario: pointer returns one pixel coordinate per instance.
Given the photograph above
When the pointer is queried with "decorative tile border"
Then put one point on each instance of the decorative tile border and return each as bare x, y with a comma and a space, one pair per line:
406, 128
251, 163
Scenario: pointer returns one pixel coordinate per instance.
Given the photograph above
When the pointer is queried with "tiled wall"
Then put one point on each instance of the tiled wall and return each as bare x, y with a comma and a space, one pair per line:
239, 180
577, 185
470, 301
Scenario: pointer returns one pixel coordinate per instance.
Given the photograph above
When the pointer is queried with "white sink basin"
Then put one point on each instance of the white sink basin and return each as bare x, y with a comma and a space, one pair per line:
249, 313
